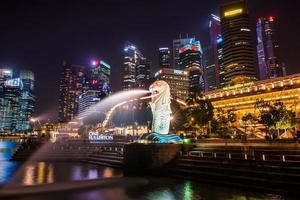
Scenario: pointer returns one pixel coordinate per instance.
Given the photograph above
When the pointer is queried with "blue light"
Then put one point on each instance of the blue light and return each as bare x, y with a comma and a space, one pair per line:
16, 82
167, 138
215, 17
219, 40
105, 64
164, 48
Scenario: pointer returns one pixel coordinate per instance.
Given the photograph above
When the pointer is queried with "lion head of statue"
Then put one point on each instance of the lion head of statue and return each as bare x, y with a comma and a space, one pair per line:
160, 92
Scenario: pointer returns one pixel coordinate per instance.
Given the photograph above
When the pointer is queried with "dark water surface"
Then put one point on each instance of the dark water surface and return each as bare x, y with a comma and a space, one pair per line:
158, 188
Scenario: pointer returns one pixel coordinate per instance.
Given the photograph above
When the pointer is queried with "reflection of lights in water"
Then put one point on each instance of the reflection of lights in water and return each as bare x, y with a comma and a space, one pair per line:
41, 173
187, 191
76, 174
50, 178
107, 173
93, 174
29, 175
38, 173
166, 194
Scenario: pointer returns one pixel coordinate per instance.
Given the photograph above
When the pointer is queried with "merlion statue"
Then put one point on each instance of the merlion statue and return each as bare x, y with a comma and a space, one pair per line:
160, 106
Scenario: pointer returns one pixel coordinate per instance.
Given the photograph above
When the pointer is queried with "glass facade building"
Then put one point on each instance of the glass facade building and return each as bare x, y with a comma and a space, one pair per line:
27, 101
143, 73
17, 101
71, 85
99, 77
96, 86
164, 57
211, 61
136, 68
178, 81
269, 62
191, 60
237, 44
177, 44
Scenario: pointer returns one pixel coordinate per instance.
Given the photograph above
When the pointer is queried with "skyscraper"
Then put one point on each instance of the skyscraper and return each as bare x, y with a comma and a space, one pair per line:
26, 101
164, 57
191, 60
16, 101
222, 80
132, 58
99, 77
211, 61
210, 77
238, 51
70, 88
177, 44
143, 73
178, 81
136, 68
269, 62
95, 88
86, 100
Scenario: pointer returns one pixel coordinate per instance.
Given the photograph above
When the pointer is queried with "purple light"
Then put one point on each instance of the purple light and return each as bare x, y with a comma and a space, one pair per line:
95, 62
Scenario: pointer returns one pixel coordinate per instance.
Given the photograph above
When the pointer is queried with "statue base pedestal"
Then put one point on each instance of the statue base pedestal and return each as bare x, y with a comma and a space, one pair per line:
142, 158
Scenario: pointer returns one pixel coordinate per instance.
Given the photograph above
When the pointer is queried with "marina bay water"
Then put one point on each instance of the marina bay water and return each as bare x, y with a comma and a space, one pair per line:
158, 188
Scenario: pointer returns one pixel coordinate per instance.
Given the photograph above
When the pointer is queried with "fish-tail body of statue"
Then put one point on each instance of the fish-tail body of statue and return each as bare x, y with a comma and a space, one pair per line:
160, 106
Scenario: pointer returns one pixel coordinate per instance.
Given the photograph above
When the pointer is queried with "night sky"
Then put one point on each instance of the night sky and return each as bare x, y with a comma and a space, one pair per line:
38, 35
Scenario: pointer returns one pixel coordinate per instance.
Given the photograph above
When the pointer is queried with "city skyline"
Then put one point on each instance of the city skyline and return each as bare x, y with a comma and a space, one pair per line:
46, 58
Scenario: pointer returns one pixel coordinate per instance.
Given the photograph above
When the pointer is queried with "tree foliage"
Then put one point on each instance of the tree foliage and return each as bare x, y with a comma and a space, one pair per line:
198, 113
274, 115
224, 122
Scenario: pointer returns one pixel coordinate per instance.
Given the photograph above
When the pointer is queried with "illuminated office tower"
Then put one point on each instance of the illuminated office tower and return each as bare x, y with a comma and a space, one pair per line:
164, 57
211, 61
17, 101
237, 45
99, 77
269, 62
26, 101
177, 44
10, 94
143, 73
178, 81
4, 75
132, 57
210, 77
96, 86
71, 84
136, 68
85, 102
191, 60
222, 80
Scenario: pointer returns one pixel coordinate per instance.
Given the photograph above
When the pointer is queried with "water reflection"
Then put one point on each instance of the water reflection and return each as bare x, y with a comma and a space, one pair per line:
37, 173
171, 189
187, 191
157, 189
165, 194
7, 168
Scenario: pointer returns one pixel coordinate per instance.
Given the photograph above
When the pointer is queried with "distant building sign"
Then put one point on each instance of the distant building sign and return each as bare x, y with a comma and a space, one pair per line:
179, 72
95, 136
16, 82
